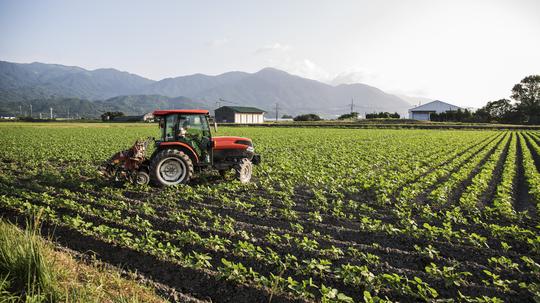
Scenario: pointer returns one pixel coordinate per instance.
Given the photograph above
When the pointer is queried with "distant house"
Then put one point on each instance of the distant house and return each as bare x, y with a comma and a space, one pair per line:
423, 112
148, 117
239, 114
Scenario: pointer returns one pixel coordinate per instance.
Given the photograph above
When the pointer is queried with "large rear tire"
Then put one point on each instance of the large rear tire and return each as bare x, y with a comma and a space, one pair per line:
243, 170
171, 167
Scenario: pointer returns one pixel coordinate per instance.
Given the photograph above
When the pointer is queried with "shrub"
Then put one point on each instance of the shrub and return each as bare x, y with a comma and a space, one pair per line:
307, 117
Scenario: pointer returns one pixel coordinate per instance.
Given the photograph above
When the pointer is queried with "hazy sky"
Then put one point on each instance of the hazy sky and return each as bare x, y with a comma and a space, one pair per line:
463, 52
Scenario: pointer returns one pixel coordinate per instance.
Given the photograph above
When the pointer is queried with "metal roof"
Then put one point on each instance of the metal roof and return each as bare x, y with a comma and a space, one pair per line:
180, 111
435, 106
243, 109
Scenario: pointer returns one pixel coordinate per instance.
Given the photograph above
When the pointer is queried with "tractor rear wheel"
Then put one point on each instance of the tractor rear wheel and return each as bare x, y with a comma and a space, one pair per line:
243, 170
171, 167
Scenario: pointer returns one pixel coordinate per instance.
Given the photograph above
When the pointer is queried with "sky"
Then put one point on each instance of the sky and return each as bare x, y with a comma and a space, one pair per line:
462, 52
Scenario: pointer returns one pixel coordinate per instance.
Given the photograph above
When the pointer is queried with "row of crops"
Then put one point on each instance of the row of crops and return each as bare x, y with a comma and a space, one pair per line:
332, 215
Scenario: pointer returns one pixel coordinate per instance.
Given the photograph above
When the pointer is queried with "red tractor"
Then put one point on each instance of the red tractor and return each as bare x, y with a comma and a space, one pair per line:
185, 146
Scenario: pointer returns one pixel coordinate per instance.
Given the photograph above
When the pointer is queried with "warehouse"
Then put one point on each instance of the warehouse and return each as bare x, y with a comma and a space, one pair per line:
239, 114
423, 112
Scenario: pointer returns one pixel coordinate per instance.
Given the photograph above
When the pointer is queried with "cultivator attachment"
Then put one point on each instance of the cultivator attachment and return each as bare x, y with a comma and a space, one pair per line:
130, 164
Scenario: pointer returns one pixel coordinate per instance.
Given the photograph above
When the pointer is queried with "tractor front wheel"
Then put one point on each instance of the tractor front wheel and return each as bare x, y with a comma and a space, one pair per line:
243, 170
141, 178
171, 167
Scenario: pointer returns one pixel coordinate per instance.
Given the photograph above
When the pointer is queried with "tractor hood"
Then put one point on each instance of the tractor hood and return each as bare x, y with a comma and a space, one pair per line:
231, 143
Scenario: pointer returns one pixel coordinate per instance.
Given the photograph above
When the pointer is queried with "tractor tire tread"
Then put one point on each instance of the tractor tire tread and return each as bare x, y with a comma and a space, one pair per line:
165, 153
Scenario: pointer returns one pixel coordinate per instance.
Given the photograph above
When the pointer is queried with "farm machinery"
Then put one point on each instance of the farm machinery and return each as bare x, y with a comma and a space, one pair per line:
185, 147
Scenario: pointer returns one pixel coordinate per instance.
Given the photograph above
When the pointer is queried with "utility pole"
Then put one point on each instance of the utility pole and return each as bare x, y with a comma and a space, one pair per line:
352, 105
20, 110
68, 114
51, 113
218, 103
31, 111
277, 109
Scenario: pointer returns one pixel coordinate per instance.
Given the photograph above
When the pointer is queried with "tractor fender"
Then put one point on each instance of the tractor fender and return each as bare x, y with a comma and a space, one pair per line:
182, 146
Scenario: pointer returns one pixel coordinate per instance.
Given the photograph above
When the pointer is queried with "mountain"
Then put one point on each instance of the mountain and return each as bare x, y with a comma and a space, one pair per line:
21, 82
110, 88
269, 86
74, 107
138, 104
191, 85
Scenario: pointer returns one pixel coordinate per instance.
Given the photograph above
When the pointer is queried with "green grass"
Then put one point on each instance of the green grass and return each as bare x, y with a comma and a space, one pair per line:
32, 271
25, 273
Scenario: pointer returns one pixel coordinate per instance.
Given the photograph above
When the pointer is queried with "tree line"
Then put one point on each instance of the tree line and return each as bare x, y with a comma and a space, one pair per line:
525, 109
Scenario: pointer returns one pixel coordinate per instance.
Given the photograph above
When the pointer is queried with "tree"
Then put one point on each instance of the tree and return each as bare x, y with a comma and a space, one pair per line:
499, 109
286, 117
527, 94
353, 116
452, 116
307, 117
382, 115
111, 115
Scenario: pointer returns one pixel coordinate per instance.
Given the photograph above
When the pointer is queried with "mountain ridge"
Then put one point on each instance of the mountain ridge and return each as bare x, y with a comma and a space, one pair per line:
31, 82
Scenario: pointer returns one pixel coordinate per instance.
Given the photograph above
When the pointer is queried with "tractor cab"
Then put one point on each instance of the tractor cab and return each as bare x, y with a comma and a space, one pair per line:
188, 129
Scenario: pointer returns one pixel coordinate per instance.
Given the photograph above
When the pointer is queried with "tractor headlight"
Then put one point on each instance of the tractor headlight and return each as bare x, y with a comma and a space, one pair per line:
250, 149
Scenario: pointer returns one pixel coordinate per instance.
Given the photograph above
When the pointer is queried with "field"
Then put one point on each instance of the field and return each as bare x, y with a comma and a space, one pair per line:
332, 215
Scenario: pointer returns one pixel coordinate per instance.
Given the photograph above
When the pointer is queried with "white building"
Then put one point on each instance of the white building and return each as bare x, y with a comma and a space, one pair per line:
239, 114
423, 112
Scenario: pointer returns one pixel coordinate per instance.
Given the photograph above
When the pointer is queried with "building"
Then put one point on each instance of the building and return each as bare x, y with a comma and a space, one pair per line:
239, 114
423, 112
148, 117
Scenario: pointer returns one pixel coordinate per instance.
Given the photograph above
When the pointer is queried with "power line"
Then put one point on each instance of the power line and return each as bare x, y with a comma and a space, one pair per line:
226, 101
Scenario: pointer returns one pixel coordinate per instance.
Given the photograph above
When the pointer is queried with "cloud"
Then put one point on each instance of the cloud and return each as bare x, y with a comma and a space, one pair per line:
217, 42
273, 48
307, 68
387, 84
354, 76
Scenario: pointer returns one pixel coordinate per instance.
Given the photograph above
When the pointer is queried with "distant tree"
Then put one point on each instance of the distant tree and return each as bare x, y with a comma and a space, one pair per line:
383, 115
502, 111
353, 116
286, 117
482, 115
527, 95
499, 109
453, 116
307, 117
111, 115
